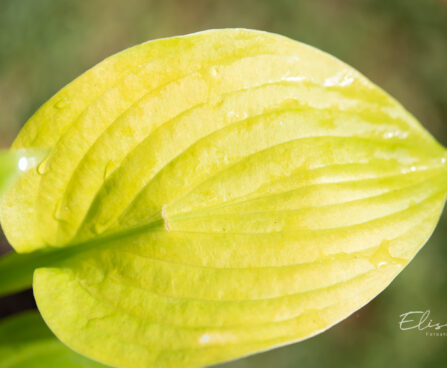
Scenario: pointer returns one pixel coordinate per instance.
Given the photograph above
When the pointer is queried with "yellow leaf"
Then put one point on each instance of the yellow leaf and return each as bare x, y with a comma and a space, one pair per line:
216, 195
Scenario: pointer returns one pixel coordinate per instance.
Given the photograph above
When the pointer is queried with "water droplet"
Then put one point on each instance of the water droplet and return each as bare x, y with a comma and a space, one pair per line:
60, 211
347, 80
108, 169
214, 71
43, 167
395, 134
23, 164
30, 158
100, 227
382, 256
62, 103
231, 115
341, 79
205, 339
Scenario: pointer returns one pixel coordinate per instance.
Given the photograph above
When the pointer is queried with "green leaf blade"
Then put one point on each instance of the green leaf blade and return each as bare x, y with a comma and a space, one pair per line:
25, 341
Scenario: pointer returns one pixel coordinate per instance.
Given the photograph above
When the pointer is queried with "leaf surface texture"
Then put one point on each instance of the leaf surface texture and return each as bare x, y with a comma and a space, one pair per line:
230, 191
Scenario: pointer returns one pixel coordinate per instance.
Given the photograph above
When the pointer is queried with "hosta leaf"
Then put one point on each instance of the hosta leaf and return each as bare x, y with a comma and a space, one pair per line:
219, 194
26, 342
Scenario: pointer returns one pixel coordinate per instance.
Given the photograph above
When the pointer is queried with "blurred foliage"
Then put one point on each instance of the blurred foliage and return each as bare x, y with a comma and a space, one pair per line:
399, 44
25, 341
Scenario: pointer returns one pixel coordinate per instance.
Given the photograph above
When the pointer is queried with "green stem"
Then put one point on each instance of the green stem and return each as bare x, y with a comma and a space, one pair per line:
16, 270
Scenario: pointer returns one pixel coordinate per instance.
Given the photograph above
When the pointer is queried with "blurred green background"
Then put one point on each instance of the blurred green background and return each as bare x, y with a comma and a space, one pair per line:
399, 44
